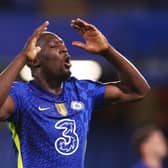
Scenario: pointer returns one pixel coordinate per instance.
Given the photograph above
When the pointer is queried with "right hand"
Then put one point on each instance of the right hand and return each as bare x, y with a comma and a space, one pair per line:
30, 49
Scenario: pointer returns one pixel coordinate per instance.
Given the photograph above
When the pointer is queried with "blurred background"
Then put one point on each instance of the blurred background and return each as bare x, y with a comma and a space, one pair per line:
137, 28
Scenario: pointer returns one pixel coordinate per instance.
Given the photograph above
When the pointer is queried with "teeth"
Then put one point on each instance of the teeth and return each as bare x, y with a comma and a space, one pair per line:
68, 64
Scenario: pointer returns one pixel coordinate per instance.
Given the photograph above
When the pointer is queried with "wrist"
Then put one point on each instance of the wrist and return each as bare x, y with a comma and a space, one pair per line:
107, 51
22, 57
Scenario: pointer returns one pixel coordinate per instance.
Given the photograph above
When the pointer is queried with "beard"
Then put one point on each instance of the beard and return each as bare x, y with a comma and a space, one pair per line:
65, 76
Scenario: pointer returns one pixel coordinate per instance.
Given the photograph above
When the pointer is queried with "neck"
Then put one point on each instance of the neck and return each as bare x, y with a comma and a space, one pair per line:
54, 86
152, 161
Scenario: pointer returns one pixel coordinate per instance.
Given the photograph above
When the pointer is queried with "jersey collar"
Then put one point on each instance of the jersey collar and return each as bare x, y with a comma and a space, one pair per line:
42, 93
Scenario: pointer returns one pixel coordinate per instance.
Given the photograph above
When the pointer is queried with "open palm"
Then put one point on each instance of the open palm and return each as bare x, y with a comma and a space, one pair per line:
95, 42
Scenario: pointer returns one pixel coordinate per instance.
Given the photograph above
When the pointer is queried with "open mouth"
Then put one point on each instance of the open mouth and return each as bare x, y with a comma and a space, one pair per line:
67, 62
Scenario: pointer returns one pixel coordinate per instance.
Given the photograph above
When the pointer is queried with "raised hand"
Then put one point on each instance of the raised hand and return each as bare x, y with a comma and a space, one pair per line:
95, 41
30, 49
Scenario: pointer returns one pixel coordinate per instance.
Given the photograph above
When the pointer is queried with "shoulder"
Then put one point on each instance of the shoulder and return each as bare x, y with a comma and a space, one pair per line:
85, 87
18, 84
18, 87
84, 82
139, 164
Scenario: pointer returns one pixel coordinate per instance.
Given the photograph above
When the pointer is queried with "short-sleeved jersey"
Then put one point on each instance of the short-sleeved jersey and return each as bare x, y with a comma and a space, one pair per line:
141, 164
50, 130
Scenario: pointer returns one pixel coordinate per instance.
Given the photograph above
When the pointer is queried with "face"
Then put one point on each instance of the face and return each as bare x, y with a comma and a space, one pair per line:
54, 57
156, 144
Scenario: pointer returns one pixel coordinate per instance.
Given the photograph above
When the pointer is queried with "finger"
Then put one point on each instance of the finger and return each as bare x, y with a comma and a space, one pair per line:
78, 29
83, 24
78, 25
41, 28
34, 37
82, 28
78, 44
38, 49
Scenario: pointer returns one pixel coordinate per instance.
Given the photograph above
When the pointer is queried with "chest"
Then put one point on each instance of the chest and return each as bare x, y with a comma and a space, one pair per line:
48, 118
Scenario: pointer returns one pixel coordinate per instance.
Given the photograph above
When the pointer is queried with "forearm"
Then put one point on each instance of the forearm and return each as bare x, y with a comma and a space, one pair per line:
130, 77
8, 76
29, 52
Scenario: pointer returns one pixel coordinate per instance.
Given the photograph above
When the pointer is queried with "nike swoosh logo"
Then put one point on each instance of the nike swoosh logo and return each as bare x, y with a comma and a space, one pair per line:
43, 108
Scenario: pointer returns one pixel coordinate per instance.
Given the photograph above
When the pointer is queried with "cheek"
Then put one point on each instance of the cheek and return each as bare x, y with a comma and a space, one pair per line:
55, 65
53, 59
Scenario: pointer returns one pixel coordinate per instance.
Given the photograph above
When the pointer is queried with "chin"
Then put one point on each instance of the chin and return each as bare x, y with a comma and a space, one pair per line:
66, 76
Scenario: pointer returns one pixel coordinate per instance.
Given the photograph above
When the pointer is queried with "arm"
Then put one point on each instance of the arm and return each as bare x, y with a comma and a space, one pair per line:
8, 76
132, 85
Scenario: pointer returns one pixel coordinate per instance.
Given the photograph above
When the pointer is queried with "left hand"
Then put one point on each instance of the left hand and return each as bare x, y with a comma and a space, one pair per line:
95, 41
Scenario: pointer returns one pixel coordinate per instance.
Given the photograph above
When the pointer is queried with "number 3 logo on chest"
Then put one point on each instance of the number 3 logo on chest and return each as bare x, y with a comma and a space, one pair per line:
68, 143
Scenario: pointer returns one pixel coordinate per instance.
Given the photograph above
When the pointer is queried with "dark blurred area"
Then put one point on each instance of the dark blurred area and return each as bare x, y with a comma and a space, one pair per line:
137, 28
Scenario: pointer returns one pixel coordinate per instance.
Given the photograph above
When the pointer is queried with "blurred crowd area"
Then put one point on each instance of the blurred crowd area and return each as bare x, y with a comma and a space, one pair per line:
137, 28
54, 7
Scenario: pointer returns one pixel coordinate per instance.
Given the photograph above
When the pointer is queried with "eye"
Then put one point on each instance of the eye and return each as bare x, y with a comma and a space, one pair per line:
62, 51
53, 46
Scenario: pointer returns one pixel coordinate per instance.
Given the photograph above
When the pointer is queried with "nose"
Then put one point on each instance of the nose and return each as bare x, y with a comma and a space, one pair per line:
65, 50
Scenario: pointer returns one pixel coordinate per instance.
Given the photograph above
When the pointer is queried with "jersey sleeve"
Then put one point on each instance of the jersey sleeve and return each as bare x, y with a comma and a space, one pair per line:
15, 93
98, 94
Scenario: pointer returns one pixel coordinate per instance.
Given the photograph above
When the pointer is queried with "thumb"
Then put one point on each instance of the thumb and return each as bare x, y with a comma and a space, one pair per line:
79, 44
38, 49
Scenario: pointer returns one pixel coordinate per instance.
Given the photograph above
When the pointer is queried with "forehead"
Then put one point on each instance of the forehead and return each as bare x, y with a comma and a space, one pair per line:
156, 135
47, 37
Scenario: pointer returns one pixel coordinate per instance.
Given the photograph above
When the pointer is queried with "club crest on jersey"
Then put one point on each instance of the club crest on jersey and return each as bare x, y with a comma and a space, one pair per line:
77, 105
61, 108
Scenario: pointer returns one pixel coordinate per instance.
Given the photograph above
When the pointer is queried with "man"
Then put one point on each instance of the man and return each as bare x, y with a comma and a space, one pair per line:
151, 146
49, 116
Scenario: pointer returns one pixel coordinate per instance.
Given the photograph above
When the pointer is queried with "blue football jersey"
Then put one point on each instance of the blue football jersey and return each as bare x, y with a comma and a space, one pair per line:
50, 131
141, 164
